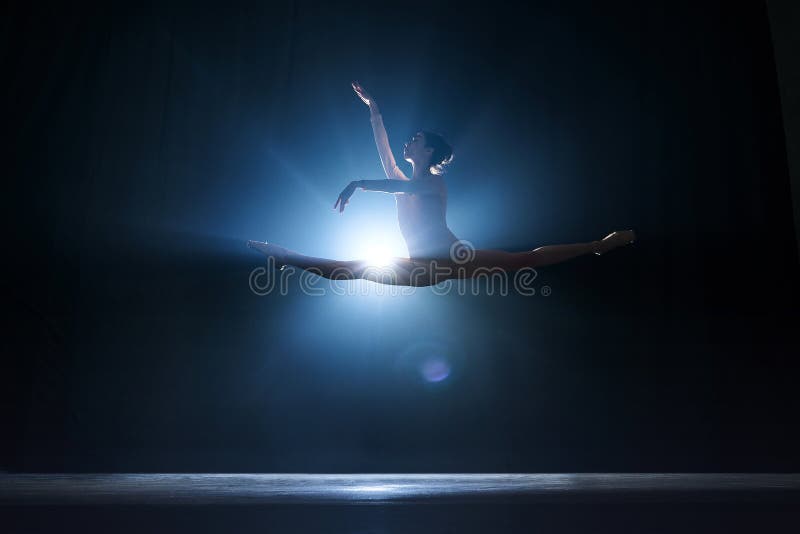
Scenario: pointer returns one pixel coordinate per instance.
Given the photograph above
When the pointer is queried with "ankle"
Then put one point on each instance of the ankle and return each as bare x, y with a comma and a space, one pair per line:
595, 247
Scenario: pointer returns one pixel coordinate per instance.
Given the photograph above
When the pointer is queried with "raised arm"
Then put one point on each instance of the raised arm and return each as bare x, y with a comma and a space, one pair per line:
390, 167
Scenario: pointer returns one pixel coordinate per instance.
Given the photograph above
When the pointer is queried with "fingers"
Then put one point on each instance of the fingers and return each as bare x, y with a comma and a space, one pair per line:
344, 197
341, 202
362, 94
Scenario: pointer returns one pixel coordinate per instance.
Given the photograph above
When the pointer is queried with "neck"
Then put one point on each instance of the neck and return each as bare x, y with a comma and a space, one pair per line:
420, 171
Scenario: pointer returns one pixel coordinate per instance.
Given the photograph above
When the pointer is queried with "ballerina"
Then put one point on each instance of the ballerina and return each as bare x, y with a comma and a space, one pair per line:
435, 254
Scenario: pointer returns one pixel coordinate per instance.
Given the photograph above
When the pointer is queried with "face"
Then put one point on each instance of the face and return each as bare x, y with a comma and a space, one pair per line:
415, 150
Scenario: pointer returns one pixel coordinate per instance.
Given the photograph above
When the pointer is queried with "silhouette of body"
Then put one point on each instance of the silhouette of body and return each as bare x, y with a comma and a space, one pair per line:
435, 253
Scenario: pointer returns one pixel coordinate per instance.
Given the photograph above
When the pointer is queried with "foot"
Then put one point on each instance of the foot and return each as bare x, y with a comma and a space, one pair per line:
614, 240
279, 254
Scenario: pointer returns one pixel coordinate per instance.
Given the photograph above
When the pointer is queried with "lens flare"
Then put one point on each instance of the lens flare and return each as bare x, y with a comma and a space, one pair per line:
435, 369
378, 257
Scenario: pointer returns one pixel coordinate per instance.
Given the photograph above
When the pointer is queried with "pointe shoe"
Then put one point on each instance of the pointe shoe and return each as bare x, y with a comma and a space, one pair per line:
270, 250
614, 240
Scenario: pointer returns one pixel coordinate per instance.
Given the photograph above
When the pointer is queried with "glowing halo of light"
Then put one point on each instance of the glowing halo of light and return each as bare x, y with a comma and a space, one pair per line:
427, 361
435, 369
377, 257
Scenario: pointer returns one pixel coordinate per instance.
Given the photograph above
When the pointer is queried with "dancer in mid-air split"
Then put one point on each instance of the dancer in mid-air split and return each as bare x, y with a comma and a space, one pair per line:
435, 253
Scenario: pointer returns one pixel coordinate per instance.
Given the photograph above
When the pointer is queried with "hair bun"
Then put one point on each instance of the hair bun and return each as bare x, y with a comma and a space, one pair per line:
442, 151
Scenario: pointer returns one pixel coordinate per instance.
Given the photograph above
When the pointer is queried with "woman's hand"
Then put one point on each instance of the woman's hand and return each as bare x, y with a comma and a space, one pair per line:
344, 196
364, 96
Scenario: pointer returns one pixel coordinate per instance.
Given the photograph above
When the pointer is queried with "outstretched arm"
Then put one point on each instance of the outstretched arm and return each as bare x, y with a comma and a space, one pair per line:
390, 167
411, 187
425, 186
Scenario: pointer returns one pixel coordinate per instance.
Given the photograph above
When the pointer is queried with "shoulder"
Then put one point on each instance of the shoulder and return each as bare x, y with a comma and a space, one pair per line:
427, 185
432, 180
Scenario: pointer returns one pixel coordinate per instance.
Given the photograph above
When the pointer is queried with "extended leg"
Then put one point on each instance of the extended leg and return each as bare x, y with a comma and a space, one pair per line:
549, 254
400, 272
420, 273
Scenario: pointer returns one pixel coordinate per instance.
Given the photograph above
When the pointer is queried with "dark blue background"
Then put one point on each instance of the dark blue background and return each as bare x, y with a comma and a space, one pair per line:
148, 142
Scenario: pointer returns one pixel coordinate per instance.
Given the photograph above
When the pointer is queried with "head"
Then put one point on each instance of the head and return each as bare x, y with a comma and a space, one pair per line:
428, 150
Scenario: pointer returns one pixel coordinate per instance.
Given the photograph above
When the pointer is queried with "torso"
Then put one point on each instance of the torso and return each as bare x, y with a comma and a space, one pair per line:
423, 223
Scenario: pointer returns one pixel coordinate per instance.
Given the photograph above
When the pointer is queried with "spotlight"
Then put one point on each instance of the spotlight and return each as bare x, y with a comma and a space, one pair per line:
378, 257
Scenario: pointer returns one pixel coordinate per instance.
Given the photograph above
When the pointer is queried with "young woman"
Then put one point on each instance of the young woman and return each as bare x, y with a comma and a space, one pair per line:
435, 253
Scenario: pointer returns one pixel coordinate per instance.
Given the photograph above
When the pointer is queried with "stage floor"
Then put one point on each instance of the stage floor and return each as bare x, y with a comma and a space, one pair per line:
347, 489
